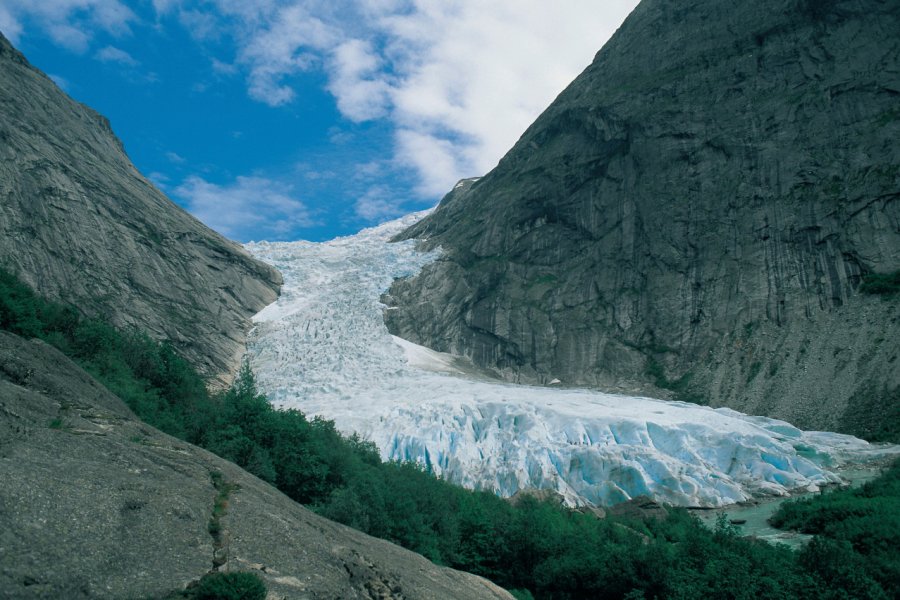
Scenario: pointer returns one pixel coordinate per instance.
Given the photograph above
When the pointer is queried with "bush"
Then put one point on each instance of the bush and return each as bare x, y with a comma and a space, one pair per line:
228, 586
540, 549
857, 534
883, 284
816, 10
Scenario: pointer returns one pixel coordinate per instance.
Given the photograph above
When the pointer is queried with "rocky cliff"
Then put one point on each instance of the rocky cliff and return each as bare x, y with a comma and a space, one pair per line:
96, 504
79, 224
694, 214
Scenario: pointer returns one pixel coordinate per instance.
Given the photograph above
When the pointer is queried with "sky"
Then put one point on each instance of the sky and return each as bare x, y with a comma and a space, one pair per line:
311, 119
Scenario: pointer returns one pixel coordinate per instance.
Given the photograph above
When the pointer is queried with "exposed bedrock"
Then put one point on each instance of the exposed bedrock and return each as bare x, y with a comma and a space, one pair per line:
80, 224
692, 215
96, 504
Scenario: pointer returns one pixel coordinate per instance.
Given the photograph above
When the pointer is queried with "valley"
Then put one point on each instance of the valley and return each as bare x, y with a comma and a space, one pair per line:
323, 348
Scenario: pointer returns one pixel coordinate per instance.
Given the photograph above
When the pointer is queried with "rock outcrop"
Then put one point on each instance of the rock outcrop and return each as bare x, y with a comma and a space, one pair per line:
79, 224
96, 504
693, 214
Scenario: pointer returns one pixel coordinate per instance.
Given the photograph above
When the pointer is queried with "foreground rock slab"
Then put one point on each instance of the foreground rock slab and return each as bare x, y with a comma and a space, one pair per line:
96, 504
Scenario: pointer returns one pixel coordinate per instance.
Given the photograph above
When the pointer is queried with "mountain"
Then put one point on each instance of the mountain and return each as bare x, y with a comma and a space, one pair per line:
96, 504
79, 224
693, 216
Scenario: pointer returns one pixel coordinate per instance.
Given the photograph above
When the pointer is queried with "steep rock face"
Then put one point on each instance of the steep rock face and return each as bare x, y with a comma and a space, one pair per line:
96, 504
79, 224
694, 213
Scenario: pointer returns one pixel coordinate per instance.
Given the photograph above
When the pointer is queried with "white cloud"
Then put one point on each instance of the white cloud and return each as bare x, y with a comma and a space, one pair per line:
202, 26
160, 180
165, 6
458, 81
176, 158
377, 204
473, 75
223, 68
249, 206
356, 82
283, 47
69, 23
115, 55
9, 25
62, 82
437, 160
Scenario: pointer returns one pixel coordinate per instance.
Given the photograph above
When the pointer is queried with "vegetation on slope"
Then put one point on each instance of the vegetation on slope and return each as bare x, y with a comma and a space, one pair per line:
884, 284
538, 549
857, 530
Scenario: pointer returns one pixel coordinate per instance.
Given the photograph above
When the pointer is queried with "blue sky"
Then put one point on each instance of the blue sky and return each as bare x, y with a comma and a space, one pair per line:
309, 119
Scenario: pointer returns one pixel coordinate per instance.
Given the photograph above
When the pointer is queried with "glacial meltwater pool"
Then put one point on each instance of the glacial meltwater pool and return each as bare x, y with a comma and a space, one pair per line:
756, 514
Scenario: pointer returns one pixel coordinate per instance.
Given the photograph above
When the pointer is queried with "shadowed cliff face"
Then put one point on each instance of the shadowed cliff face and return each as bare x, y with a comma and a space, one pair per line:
79, 224
693, 213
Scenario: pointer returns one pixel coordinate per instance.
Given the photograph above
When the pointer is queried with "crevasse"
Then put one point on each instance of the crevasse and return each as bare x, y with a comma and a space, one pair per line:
322, 348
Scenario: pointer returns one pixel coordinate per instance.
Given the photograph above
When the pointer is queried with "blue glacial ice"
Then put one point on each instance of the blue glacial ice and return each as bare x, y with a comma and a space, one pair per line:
323, 348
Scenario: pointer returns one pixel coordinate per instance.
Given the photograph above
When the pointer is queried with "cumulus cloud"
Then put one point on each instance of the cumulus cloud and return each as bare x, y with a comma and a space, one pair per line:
458, 81
276, 42
357, 82
69, 23
438, 161
471, 76
249, 206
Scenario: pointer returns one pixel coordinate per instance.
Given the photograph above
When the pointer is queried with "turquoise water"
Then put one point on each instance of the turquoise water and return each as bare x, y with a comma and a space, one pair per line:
758, 513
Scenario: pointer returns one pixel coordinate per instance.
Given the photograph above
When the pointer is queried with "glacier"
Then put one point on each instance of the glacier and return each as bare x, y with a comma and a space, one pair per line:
323, 348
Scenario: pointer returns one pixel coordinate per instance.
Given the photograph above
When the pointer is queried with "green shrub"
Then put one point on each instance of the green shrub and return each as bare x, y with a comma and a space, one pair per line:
540, 549
228, 586
857, 534
883, 284
816, 10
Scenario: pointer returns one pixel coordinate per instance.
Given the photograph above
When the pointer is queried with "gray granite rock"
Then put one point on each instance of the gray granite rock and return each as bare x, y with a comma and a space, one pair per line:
693, 214
79, 224
96, 504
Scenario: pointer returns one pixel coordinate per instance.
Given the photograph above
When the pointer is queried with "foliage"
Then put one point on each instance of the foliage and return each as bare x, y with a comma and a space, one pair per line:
681, 387
228, 586
816, 10
883, 284
540, 549
220, 505
858, 530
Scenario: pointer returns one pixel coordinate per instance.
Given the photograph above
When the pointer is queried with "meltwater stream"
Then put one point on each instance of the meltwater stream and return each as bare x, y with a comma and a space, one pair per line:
323, 348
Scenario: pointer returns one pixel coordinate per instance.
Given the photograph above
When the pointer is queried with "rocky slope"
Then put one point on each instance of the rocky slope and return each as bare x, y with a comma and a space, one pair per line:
693, 214
96, 504
79, 224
